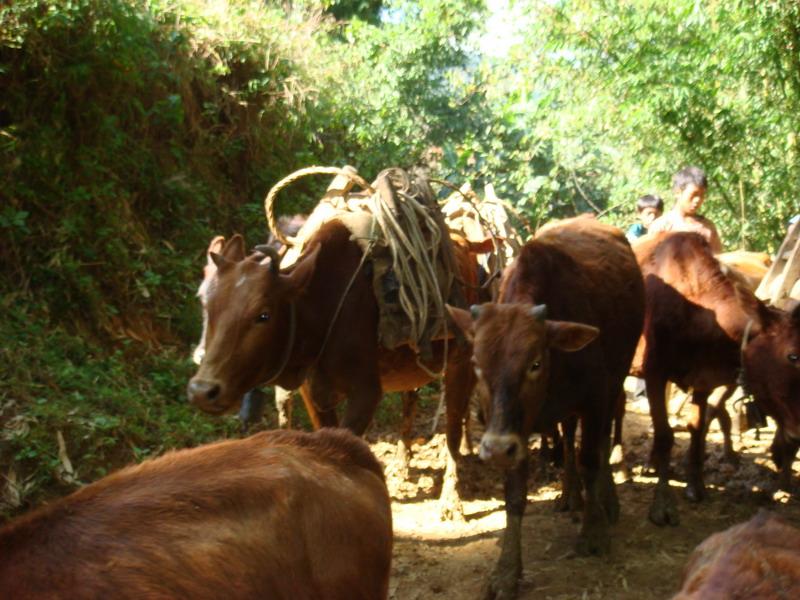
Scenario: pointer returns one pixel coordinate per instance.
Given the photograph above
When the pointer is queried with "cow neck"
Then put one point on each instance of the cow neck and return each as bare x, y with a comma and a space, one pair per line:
289, 347
741, 377
364, 256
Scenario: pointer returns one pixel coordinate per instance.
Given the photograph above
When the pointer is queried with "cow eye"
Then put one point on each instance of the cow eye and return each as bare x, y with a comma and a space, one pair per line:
793, 358
262, 318
535, 365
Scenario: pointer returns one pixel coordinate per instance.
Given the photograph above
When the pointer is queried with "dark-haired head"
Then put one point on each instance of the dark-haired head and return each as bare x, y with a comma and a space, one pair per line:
689, 176
650, 201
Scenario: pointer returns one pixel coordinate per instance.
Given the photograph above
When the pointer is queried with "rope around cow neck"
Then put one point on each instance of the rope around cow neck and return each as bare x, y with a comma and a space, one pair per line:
289, 347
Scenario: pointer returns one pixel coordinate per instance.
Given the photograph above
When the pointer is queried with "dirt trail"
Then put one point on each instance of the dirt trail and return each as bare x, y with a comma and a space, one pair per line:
435, 559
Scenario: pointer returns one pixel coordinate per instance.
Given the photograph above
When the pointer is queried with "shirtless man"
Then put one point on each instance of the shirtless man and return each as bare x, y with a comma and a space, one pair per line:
690, 186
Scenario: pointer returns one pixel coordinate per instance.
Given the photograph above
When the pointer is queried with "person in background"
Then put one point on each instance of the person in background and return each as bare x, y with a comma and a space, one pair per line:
690, 185
648, 209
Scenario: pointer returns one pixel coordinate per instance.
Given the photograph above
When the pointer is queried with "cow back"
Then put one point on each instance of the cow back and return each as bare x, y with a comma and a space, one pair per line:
278, 515
584, 271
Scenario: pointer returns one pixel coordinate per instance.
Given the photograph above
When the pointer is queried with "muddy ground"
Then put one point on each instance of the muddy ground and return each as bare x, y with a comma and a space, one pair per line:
446, 560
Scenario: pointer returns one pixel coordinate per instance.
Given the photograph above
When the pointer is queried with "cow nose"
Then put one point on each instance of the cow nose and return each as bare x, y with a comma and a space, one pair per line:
203, 392
502, 449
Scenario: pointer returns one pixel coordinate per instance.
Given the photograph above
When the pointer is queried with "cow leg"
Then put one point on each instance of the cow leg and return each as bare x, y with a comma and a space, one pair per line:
595, 435
362, 400
504, 580
783, 455
570, 499
466, 440
664, 508
617, 456
410, 400
695, 487
545, 458
284, 405
608, 487
716, 410
320, 405
252, 409
459, 379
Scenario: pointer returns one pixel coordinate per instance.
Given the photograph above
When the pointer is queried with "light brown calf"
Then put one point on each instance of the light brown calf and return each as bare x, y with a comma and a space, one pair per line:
281, 515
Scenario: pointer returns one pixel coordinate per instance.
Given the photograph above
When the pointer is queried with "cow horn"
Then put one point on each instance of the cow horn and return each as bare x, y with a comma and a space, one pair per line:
267, 250
475, 311
539, 312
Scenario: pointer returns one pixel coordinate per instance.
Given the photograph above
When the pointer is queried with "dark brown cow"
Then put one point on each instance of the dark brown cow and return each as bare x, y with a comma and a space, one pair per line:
570, 366
756, 560
282, 328
281, 514
695, 325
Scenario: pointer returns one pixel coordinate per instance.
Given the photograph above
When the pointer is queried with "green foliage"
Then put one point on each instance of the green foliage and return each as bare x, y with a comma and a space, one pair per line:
131, 132
111, 408
600, 102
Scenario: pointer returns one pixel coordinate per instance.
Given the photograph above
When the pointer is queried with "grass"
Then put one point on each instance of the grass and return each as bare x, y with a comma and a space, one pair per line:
111, 407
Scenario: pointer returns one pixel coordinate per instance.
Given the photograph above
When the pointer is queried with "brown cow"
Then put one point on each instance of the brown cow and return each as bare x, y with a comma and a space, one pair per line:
539, 371
756, 560
253, 401
698, 326
282, 327
281, 514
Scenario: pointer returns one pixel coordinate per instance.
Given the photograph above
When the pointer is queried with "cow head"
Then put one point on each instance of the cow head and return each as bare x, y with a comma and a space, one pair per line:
772, 367
511, 355
249, 318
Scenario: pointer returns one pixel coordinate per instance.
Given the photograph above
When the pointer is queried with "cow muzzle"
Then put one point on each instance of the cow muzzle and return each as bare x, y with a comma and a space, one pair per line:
206, 395
505, 450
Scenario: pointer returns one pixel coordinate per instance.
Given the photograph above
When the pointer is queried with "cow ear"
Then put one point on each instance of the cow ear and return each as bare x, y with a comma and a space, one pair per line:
219, 261
463, 320
569, 336
795, 314
766, 316
234, 250
214, 247
296, 281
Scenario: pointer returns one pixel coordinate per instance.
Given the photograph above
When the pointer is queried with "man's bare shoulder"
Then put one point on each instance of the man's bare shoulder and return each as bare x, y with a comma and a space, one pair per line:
663, 223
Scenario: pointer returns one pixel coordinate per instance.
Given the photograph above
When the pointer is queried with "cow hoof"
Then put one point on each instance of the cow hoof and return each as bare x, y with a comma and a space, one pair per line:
502, 585
732, 458
664, 510
695, 492
593, 544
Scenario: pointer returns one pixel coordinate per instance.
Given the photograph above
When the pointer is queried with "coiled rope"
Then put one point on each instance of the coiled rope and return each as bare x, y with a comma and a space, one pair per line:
413, 256
269, 201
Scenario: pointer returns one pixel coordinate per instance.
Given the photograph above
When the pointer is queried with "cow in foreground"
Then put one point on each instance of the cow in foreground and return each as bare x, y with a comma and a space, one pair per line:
315, 324
759, 559
702, 330
282, 514
557, 348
